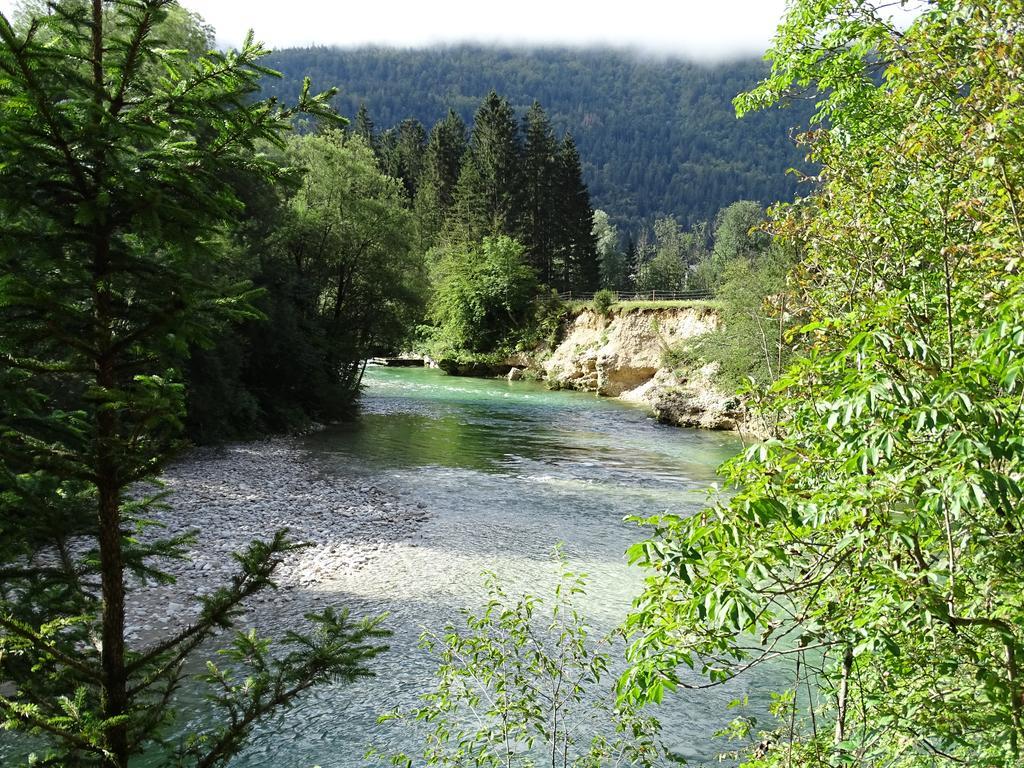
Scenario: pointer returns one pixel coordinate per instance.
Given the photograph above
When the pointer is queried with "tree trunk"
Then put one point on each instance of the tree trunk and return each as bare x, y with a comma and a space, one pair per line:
108, 489
108, 483
115, 695
844, 686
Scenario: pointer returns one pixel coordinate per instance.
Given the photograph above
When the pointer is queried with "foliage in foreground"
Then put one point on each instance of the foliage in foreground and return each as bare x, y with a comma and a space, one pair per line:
115, 192
878, 537
523, 683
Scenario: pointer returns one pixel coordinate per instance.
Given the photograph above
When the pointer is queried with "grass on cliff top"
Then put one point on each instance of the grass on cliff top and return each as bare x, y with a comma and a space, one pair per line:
626, 306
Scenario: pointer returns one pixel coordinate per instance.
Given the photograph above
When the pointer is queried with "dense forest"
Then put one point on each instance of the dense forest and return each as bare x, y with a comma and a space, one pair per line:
658, 137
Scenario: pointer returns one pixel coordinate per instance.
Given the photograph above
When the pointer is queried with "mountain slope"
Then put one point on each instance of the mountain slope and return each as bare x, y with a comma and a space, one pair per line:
657, 136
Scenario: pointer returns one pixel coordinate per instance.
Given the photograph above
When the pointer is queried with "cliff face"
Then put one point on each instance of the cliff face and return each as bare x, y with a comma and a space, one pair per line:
611, 355
621, 356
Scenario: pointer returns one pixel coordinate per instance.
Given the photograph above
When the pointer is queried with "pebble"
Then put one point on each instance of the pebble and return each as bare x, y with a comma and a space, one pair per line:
233, 494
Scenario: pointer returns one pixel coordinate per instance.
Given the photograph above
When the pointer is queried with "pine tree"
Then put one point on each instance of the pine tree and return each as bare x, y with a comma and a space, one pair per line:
441, 166
541, 171
492, 188
114, 186
576, 246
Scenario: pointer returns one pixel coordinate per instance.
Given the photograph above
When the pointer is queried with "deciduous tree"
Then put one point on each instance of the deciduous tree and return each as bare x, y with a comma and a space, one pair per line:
610, 255
878, 538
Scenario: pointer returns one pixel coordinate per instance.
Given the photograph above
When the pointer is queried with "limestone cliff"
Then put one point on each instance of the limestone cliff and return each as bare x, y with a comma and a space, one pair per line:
621, 355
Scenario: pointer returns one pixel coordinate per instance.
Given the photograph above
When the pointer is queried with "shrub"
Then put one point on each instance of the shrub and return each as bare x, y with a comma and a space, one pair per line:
483, 293
603, 301
521, 683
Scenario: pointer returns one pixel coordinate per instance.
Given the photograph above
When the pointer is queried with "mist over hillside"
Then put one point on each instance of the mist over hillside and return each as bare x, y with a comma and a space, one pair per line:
657, 136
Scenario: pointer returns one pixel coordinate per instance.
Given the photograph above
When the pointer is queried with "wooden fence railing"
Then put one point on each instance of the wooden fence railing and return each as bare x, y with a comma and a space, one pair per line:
642, 295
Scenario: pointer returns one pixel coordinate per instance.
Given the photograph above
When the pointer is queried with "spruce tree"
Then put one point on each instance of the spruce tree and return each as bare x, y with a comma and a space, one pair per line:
576, 246
386, 150
113, 188
410, 148
472, 217
541, 172
492, 188
441, 166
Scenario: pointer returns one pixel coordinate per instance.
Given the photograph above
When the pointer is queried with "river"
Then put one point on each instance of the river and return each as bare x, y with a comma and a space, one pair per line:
504, 473
507, 471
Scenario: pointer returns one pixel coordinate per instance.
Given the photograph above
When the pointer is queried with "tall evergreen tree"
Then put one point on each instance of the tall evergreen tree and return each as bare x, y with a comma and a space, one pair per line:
386, 150
541, 172
471, 215
441, 166
490, 184
410, 149
114, 185
364, 128
576, 246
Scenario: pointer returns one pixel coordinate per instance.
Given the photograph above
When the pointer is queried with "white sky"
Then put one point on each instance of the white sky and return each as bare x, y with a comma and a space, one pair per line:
700, 28
690, 28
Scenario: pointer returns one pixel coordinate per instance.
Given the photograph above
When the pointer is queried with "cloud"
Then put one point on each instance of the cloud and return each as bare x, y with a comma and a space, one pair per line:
692, 28
699, 29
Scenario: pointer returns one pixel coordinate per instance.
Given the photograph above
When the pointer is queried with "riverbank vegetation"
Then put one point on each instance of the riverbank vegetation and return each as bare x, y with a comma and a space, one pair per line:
330, 253
875, 541
503, 220
749, 274
468, 187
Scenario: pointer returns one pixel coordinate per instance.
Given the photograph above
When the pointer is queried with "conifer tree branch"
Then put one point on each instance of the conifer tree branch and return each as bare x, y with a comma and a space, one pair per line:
23, 631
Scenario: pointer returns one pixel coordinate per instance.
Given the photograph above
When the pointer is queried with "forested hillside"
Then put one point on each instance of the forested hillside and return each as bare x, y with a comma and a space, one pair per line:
657, 136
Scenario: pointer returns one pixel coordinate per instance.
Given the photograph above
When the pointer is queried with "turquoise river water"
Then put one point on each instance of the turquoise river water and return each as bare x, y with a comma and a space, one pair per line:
507, 471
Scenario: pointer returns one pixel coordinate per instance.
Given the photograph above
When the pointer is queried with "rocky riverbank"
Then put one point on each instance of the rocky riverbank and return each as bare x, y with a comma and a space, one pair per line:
236, 493
612, 354
622, 355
